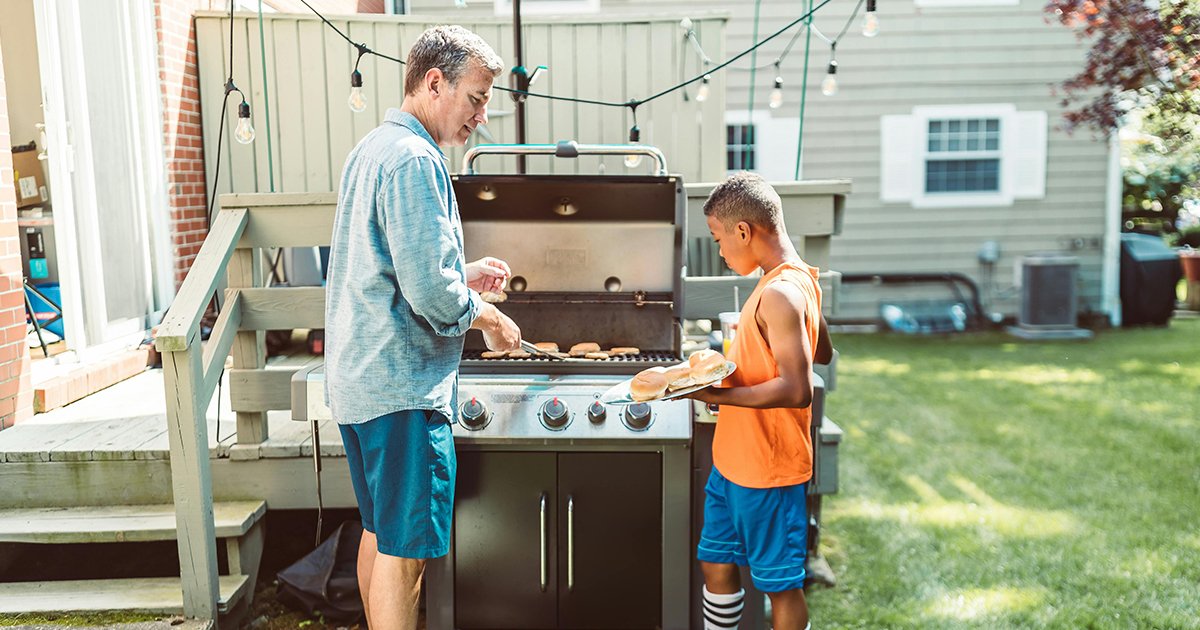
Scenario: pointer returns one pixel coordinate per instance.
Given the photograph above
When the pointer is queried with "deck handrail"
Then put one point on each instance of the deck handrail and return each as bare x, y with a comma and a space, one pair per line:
182, 322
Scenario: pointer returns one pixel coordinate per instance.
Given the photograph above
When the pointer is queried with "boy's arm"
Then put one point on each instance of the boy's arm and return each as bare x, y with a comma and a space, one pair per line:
782, 310
824, 353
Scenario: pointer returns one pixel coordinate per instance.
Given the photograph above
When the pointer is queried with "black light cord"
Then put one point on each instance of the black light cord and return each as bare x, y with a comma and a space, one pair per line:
632, 104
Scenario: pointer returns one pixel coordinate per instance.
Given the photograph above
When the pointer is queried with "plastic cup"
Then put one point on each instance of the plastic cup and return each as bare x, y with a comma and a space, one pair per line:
729, 323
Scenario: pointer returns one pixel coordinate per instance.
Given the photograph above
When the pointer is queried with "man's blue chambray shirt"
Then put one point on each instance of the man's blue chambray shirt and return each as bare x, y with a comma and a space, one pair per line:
397, 305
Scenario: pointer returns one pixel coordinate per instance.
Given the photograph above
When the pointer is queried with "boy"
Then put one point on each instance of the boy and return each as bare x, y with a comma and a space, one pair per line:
754, 510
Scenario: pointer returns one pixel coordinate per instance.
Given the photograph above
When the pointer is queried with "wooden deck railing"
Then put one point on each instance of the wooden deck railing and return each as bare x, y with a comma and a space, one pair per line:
245, 226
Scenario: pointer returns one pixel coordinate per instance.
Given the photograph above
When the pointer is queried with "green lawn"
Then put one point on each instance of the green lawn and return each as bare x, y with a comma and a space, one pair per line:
989, 482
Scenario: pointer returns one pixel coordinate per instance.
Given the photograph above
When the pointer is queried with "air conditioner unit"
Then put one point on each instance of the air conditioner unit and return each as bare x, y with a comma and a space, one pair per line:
1049, 298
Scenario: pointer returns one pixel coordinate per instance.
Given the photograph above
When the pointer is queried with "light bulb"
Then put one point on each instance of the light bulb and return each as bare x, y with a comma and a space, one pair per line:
245, 131
702, 93
829, 86
870, 27
635, 136
461, 4
777, 94
357, 101
870, 21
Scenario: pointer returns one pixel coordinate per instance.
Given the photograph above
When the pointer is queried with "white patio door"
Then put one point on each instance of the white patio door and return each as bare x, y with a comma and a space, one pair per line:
104, 142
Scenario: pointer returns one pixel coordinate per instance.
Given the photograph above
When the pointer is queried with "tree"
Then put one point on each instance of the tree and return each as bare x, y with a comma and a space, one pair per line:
1143, 52
1142, 74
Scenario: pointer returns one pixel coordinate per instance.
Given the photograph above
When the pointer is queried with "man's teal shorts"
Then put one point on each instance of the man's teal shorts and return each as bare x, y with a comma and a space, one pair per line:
402, 466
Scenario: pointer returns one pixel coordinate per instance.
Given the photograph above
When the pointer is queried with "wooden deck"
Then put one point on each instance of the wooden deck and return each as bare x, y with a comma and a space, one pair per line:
111, 448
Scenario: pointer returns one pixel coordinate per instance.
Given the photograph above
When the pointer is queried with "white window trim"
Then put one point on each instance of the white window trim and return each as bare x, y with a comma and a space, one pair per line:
558, 7
1002, 197
965, 3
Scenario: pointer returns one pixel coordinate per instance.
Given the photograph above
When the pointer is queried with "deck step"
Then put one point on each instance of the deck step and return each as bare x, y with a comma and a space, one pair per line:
154, 595
123, 523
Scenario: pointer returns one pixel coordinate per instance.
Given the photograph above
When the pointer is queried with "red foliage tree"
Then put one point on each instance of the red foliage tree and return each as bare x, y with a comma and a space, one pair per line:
1145, 53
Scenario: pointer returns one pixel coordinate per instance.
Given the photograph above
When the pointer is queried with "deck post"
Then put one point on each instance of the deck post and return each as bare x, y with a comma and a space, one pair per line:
249, 352
191, 479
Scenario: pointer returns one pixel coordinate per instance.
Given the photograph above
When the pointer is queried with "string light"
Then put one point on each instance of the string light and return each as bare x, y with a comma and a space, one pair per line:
829, 86
702, 93
245, 131
633, 160
870, 26
777, 94
357, 100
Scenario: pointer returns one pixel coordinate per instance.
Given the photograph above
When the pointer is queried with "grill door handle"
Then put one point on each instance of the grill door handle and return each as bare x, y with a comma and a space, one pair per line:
570, 543
542, 547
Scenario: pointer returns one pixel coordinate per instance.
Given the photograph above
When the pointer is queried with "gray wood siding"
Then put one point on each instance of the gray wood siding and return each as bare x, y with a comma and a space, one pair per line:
312, 129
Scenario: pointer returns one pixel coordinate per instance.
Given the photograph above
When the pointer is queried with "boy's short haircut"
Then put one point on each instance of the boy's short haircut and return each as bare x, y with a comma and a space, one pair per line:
745, 197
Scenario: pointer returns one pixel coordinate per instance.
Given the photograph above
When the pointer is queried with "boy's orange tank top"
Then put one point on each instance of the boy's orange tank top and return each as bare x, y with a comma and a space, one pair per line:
766, 448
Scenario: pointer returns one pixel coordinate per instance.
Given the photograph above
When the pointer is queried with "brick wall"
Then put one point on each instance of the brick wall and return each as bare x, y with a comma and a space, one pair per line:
179, 76
16, 393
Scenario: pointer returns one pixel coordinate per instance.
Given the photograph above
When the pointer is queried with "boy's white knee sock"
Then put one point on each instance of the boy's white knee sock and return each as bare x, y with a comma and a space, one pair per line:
722, 611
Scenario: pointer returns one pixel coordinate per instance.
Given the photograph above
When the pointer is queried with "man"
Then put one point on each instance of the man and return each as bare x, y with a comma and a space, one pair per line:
400, 298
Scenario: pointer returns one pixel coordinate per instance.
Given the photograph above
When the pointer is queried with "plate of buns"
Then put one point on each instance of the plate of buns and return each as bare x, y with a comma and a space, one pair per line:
703, 369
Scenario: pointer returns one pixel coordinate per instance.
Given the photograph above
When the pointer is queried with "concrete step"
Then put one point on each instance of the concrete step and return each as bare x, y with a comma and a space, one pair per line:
153, 595
121, 523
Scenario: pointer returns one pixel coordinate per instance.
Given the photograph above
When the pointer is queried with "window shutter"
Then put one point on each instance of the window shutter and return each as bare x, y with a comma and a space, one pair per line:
898, 164
1028, 155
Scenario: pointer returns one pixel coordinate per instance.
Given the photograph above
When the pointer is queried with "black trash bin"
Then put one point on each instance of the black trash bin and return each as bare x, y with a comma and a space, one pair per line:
1149, 272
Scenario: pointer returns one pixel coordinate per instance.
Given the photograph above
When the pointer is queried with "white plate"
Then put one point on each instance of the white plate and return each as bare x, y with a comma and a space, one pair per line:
619, 394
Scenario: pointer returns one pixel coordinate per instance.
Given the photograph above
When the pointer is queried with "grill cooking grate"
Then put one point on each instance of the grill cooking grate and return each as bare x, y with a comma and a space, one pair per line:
472, 362
652, 356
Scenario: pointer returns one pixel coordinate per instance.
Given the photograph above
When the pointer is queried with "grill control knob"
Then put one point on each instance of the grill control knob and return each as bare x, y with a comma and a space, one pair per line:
554, 414
596, 412
474, 414
637, 416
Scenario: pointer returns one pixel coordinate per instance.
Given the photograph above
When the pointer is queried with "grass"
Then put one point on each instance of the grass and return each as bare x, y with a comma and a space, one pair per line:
993, 483
75, 619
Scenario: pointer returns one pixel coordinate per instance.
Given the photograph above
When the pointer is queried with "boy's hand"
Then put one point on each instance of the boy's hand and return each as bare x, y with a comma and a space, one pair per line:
711, 395
488, 274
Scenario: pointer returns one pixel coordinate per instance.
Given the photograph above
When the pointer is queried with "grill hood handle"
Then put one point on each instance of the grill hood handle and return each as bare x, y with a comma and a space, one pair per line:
564, 149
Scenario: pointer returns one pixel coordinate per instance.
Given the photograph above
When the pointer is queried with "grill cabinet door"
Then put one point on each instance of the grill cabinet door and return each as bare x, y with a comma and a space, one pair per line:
611, 542
498, 538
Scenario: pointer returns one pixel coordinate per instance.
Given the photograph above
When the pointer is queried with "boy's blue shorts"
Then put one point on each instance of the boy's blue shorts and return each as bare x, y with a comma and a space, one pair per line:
402, 466
763, 528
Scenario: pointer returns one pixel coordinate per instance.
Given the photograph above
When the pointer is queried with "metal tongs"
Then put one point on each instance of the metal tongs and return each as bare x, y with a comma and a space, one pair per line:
529, 347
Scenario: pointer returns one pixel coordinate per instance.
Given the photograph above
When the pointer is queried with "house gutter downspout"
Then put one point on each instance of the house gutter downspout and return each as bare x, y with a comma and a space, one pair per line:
1110, 279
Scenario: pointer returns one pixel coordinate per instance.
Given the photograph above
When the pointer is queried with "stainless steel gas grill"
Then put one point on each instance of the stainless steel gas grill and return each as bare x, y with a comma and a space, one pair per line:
569, 513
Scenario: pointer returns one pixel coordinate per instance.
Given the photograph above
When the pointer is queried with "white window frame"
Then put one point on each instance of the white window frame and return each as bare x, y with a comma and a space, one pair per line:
556, 7
1003, 195
963, 155
753, 146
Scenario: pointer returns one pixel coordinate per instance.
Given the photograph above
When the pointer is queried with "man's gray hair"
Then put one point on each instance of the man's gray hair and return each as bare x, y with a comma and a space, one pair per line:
451, 49
746, 197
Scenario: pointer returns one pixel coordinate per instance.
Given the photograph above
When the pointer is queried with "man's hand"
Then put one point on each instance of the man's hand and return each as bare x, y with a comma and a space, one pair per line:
500, 333
488, 274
